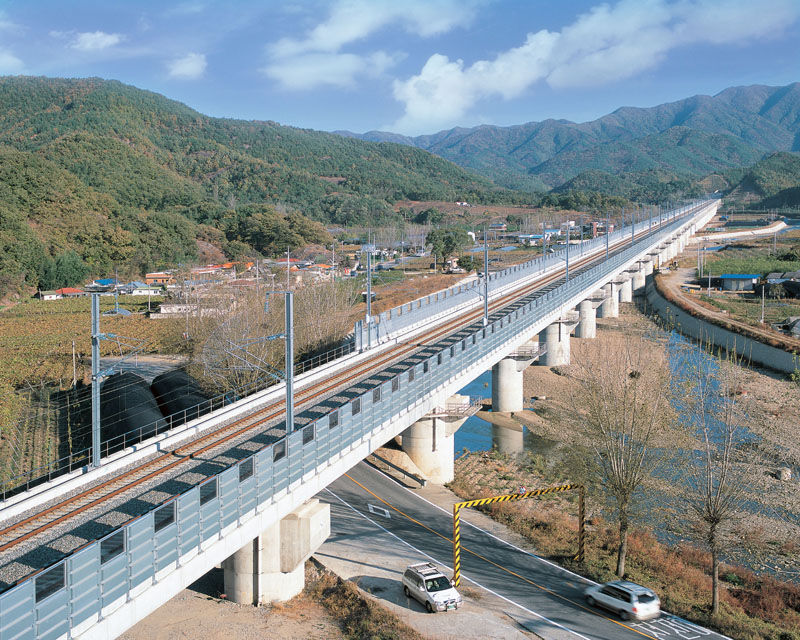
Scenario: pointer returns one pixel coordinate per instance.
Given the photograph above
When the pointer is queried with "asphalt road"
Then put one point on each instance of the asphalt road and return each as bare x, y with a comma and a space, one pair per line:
537, 594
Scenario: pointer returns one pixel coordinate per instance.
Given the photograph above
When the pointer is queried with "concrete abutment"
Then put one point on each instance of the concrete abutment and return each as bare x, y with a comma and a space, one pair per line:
271, 568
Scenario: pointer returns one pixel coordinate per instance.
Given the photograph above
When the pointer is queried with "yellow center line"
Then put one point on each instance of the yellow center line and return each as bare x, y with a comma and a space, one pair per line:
494, 564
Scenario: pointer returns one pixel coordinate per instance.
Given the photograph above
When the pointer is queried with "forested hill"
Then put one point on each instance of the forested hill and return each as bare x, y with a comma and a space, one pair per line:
128, 178
687, 138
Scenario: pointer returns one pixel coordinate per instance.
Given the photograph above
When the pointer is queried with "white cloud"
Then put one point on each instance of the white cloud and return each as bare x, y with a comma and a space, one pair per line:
9, 63
190, 66
334, 69
350, 21
607, 44
96, 41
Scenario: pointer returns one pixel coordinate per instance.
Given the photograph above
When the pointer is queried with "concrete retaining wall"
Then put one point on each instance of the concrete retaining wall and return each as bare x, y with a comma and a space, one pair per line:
755, 352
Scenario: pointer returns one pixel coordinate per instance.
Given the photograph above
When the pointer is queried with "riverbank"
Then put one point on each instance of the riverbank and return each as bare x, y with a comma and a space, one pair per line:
771, 530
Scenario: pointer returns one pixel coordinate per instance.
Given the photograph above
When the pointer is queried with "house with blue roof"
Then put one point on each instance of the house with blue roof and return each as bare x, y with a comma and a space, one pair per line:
738, 281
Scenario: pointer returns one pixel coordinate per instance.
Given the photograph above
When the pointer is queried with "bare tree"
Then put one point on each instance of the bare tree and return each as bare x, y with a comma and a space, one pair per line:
239, 342
719, 473
622, 407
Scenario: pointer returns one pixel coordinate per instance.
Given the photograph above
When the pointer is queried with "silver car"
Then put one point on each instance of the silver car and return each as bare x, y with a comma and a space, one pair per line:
627, 599
431, 587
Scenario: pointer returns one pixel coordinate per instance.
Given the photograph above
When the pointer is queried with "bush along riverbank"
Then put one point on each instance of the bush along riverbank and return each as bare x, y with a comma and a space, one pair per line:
752, 607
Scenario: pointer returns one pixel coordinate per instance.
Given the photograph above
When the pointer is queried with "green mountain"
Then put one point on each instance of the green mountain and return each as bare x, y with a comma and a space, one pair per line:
129, 179
771, 183
689, 138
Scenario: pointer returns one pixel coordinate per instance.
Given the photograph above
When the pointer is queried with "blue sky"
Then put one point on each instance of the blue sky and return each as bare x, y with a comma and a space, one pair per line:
409, 66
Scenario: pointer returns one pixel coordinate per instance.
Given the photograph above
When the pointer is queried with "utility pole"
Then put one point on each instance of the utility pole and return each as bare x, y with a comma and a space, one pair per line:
289, 339
485, 279
763, 289
95, 380
287, 269
607, 223
74, 367
566, 272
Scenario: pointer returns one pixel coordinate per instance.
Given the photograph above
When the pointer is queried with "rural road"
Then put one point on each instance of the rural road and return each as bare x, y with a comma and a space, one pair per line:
379, 526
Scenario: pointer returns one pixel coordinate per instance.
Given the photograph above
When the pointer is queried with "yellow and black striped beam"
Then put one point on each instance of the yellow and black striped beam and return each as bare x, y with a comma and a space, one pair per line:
511, 498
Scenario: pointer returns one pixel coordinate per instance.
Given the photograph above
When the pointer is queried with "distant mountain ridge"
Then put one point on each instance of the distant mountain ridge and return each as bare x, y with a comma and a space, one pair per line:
690, 137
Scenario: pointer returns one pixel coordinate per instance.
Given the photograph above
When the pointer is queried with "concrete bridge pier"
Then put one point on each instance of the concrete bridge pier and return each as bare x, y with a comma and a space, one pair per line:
625, 288
639, 277
587, 325
610, 306
271, 568
507, 377
556, 338
429, 442
649, 264
654, 260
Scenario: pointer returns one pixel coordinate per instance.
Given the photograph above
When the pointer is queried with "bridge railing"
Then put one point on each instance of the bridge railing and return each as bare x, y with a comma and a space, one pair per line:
450, 300
70, 595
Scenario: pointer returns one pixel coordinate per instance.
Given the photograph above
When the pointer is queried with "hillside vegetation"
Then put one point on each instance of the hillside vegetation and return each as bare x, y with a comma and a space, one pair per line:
687, 138
126, 178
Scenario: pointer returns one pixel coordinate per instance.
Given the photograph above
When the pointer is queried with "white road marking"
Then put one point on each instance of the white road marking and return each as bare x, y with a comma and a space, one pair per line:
379, 511
442, 564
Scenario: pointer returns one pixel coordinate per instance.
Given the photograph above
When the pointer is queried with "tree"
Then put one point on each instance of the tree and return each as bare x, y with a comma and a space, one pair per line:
718, 473
69, 269
468, 263
445, 242
622, 409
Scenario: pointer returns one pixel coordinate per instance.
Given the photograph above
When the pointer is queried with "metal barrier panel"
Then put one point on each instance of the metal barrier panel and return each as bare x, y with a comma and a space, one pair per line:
229, 496
309, 450
280, 468
83, 573
141, 550
322, 437
166, 545
52, 615
16, 612
188, 521
248, 492
114, 576
264, 482
295, 444
210, 517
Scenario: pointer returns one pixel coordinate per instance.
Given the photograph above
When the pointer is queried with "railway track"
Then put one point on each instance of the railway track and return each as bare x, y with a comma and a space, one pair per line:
170, 462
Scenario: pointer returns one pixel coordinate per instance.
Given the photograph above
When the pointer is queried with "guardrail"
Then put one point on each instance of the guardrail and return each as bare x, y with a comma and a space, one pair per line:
102, 575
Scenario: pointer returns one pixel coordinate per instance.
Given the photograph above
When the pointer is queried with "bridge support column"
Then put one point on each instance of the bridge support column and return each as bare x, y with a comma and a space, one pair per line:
271, 568
587, 326
648, 264
507, 385
556, 338
626, 290
639, 278
429, 442
610, 306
